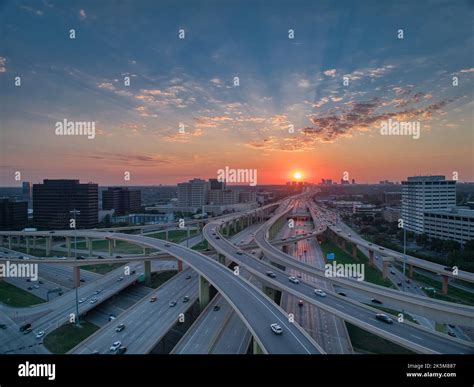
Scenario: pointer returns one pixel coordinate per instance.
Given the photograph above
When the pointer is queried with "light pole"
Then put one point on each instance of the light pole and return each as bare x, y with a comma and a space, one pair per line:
404, 254
76, 212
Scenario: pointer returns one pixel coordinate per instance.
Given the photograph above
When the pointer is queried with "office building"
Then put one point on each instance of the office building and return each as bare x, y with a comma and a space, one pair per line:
215, 184
223, 197
454, 224
13, 214
194, 193
121, 199
424, 193
26, 190
54, 199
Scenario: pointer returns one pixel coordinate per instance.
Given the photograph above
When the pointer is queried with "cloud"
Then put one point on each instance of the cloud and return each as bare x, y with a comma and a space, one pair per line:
470, 70
321, 102
303, 83
82, 14
330, 73
2, 64
361, 116
32, 10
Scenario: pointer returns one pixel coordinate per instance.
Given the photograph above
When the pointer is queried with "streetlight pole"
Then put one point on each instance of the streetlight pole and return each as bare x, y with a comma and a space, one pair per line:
404, 254
76, 212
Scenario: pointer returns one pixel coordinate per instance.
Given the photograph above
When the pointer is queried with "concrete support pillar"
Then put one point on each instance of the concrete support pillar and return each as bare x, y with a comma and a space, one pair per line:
68, 245
144, 250
34, 242
371, 257
10, 242
410, 271
49, 242
203, 292
89, 246
385, 269
180, 265
444, 289
147, 265
111, 247
256, 348
167, 234
354, 251
27, 245
270, 292
76, 276
284, 248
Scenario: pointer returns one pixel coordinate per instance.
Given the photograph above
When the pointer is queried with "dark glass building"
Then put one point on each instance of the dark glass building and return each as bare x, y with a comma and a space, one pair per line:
122, 200
13, 214
54, 199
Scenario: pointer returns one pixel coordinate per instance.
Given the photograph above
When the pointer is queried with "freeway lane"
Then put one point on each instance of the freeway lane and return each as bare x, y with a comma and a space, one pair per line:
254, 308
407, 334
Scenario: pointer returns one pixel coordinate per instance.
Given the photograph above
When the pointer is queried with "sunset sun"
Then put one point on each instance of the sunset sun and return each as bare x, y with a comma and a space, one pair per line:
297, 175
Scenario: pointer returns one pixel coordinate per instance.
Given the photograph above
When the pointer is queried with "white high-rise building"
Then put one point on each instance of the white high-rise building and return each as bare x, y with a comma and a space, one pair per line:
424, 193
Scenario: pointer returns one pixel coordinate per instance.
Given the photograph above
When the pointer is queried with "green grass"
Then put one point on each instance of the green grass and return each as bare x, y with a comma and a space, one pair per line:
103, 245
67, 336
366, 342
13, 296
159, 279
175, 236
372, 274
102, 269
203, 245
454, 295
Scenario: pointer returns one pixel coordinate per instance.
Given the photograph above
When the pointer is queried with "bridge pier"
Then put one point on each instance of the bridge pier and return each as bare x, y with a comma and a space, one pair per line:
203, 292
256, 350
371, 257
49, 242
76, 276
385, 269
410, 271
68, 245
10, 242
27, 240
34, 242
167, 234
89, 246
444, 288
147, 265
285, 249
354, 251
111, 248
180, 265
270, 292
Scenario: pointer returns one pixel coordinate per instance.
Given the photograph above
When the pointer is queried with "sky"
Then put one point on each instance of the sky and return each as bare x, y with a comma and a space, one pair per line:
315, 103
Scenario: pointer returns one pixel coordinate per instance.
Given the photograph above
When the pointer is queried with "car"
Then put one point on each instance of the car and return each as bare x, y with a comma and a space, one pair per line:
185, 299
121, 351
93, 300
36, 286
52, 232
452, 334
392, 272
25, 327
167, 245
447, 268
188, 276
216, 308
118, 256
239, 252
407, 281
119, 279
451, 326
276, 329
349, 235
30, 288
299, 275
100, 257
342, 294
40, 334
40, 282
115, 346
82, 280
120, 327
3, 326
27, 330
28, 280
172, 304
319, 292
283, 239
375, 301
399, 283
270, 274
253, 252
153, 299
81, 300
381, 248
300, 303
294, 280
218, 237
383, 317
112, 317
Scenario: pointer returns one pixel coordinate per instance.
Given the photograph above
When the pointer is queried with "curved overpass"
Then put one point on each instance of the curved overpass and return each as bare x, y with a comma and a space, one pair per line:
437, 310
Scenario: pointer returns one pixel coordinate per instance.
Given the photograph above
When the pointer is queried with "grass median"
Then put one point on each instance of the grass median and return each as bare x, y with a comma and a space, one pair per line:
67, 336
13, 296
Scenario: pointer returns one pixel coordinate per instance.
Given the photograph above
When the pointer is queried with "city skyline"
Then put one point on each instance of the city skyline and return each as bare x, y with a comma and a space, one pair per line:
190, 81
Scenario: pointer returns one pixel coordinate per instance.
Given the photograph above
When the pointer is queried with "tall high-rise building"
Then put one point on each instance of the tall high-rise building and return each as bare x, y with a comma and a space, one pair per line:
194, 193
13, 214
26, 190
122, 200
424, 193
215, 184
54, 199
